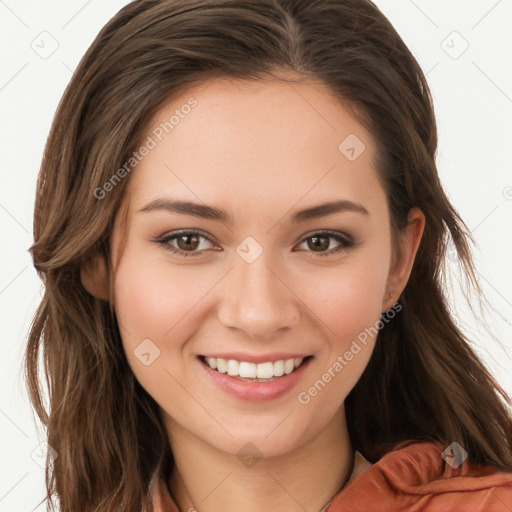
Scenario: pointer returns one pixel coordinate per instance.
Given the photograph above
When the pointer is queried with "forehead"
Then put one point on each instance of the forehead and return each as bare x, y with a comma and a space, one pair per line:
253, 142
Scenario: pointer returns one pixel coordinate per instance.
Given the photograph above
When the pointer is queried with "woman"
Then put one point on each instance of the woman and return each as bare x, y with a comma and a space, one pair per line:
241, 231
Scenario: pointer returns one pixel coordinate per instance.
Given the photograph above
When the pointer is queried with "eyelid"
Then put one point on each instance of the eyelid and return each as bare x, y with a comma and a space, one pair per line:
328, 232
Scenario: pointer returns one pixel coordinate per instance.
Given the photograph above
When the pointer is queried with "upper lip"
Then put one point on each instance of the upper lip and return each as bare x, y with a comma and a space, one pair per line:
257, 358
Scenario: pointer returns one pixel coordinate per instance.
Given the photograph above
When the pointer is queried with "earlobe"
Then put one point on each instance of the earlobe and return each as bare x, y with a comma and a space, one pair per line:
94, 277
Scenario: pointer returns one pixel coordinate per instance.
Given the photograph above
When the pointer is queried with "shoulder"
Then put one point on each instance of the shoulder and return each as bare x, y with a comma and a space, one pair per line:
426, 477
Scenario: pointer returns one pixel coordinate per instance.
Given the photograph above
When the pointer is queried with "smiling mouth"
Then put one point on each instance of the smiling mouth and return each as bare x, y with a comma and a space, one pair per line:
254, 372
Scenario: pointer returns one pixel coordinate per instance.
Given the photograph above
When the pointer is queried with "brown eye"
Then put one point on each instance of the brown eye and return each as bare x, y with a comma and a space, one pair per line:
319, 243
185, 243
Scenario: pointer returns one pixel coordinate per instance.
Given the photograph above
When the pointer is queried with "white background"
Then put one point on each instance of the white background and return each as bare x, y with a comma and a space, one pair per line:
473, 102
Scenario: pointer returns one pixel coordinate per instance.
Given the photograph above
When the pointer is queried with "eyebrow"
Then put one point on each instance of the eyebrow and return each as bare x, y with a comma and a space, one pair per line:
218, 214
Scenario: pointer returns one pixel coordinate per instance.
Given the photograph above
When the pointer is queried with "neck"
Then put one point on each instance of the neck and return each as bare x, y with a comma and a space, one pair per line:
208, 480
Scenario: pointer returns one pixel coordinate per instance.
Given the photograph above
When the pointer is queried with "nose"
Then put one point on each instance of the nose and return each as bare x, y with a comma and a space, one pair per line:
257, 300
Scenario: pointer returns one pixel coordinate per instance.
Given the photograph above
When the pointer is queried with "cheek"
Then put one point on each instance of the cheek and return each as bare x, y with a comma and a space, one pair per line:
141, 302
348, 303
151, 301
348, 299
152, 304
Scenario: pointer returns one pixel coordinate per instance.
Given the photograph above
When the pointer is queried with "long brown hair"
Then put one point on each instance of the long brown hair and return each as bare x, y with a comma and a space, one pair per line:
423, 381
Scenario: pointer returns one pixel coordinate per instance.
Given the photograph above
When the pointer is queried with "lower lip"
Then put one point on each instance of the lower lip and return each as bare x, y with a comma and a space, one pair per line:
256, 391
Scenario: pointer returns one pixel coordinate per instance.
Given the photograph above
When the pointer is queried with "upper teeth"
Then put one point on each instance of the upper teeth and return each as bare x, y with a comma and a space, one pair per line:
252, 370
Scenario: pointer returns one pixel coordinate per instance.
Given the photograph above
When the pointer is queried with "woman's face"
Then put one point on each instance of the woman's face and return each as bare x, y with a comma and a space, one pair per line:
250, 164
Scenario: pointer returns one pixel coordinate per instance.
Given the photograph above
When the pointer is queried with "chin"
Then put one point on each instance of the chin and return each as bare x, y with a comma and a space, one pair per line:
254, 443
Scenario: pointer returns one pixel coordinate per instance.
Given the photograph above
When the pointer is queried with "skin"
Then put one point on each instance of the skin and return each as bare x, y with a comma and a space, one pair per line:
261, 151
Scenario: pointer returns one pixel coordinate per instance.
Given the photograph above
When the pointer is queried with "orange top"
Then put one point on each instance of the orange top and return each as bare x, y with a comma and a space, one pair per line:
413, 478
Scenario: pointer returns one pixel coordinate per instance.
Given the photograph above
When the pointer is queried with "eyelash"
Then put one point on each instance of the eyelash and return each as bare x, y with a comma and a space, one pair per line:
346, 242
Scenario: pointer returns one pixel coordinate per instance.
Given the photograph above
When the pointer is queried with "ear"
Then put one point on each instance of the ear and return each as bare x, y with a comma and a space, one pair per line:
94, 277
409, 242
